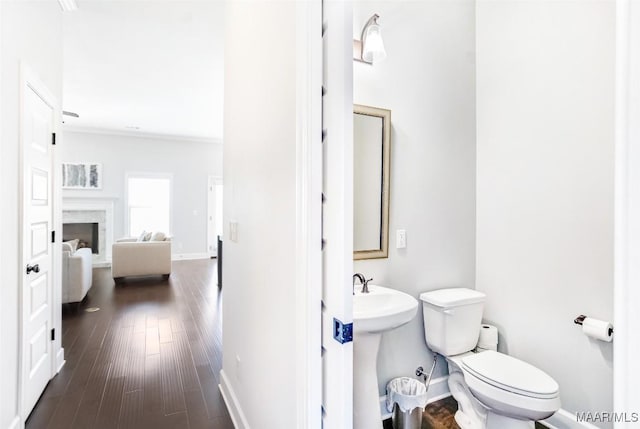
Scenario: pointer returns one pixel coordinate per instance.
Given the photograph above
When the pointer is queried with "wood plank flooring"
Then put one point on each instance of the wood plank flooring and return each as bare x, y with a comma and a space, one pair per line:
150, 358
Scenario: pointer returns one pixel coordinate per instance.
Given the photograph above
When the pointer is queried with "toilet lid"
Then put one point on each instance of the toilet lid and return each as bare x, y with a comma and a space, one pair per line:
510, 374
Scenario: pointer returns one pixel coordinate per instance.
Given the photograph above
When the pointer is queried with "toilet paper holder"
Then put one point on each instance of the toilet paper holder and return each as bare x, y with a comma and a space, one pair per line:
580, 319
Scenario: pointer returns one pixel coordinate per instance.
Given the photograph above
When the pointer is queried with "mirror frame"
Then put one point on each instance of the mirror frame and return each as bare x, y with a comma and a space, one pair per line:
385, 114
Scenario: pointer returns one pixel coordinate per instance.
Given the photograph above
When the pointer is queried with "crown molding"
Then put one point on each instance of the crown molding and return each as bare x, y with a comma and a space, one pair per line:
140, 134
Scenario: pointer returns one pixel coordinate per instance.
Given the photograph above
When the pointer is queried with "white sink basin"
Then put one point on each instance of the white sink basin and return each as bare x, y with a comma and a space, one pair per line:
381, 309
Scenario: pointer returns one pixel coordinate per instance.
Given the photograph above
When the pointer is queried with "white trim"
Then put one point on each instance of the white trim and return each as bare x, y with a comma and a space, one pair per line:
140, 134
563, 419
233, 405
60, 359
189, 256
438, 389
308, 215
212, 215
337, 212
626, 394
15, 423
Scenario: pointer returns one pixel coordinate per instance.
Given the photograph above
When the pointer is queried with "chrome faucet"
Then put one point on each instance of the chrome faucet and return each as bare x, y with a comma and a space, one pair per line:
363, 282
360, 277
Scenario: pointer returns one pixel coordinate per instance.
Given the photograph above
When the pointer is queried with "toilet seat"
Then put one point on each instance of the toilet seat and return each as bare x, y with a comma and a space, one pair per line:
510, 374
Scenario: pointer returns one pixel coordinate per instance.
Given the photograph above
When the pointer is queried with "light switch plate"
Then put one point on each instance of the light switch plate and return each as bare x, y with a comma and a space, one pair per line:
401, 238
233, 231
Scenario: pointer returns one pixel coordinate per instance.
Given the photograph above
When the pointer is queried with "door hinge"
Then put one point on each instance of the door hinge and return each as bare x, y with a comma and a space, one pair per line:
53, 236
53, 334
53, 138
342, 332
323, 242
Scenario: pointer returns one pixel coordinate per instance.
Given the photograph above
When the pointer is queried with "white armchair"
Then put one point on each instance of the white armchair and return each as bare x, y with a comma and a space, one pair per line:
77, 273
140, 258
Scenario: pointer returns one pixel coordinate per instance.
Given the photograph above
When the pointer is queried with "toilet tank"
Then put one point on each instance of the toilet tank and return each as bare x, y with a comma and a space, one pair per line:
452, 319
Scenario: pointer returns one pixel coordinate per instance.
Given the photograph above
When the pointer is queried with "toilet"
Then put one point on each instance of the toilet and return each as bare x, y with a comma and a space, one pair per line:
493, 390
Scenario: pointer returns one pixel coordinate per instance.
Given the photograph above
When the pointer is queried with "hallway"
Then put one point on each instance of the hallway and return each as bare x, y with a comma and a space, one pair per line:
149, 358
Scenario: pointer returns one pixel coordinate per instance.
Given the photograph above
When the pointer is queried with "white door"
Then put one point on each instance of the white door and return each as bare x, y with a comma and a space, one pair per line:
214, 214
37, 128
337, 297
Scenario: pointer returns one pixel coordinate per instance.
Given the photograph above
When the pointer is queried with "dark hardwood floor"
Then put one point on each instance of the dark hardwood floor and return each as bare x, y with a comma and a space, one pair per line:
149, 358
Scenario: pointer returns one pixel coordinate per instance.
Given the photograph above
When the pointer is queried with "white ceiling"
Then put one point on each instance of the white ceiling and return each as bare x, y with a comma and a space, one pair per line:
155, 65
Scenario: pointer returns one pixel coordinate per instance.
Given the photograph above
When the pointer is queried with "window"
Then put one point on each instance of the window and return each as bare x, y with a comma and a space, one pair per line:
148, 203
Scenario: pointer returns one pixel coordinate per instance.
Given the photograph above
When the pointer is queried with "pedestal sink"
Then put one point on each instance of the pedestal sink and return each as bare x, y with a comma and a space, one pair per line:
380, 310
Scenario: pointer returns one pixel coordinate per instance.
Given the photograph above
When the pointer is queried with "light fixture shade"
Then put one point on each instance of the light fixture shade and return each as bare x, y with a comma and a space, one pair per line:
372, 44
68, 5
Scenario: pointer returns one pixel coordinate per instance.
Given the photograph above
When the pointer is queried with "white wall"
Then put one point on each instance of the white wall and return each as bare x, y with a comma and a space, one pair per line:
259, 358
428, 83
545, 88
190, 163
31, 32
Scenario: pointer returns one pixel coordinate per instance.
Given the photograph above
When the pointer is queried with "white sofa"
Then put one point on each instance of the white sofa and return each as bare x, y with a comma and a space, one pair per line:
140, 258
77, 273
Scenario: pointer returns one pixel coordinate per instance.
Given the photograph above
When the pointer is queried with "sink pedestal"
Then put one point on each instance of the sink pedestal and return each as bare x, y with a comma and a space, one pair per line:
380, 310
366, 403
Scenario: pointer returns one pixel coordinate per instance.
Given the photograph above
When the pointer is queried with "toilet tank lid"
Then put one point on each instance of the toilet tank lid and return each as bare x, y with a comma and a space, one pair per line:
452, 297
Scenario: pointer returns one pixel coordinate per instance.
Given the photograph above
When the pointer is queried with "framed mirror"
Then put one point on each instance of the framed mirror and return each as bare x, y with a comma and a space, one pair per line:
371, 158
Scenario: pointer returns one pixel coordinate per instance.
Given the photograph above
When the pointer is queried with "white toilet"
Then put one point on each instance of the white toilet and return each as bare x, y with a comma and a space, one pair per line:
493, 390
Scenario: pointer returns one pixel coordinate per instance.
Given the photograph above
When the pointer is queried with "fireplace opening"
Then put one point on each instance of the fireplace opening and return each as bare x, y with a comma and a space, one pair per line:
86, 233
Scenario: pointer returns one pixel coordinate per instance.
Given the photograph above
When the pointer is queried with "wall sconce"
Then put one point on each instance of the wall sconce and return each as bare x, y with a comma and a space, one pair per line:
370, 48
68, 5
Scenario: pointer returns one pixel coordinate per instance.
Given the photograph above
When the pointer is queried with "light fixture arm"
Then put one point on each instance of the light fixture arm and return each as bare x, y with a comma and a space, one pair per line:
372, 20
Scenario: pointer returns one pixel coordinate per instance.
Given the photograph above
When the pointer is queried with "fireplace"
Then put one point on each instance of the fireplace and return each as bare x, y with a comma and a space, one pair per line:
95, 214
86, 232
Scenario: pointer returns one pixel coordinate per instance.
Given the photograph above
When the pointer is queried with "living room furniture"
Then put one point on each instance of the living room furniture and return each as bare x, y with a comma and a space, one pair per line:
131, 257
77, 273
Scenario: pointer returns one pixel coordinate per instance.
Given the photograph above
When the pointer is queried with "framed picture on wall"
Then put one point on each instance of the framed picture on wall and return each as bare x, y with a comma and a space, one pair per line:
86, 175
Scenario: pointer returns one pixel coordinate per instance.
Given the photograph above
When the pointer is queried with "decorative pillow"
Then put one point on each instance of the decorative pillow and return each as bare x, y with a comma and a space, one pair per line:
147, 236
158, 236
66, 247
144, 236
73, 244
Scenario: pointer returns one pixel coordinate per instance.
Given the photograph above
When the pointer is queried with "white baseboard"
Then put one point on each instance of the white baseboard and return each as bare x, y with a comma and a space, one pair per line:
15, 423
60, 360
438, 389
563, 419
230, 398
189, 256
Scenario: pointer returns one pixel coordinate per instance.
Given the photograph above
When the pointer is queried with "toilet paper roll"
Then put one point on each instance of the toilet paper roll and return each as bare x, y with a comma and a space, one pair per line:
488, 337
598, 329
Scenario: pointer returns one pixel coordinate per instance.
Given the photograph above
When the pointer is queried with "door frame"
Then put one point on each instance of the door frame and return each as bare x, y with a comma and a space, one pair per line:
212, 243
309, 178
626, 344
28, 79
337, 213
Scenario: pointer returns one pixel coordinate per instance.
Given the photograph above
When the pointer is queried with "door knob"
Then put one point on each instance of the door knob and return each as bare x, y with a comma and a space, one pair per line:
35, 268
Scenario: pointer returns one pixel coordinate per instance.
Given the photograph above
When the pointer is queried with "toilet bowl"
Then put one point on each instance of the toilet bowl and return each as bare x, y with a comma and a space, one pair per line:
493, 390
